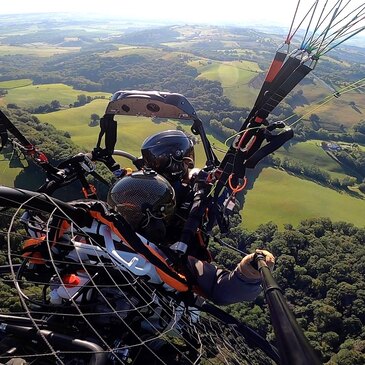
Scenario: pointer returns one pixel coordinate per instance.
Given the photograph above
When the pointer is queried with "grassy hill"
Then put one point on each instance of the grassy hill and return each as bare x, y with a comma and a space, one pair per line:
132, 131
282, 198
276, 196
126, 50
7, 173
39, 50
29, 95
335, 112
13, 84
234, 77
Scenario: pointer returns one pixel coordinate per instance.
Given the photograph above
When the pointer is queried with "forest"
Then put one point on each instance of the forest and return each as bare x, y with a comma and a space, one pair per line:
321, 270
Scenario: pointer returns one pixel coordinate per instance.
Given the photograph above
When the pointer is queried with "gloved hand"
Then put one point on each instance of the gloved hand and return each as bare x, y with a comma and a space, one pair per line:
246, 268
202, 182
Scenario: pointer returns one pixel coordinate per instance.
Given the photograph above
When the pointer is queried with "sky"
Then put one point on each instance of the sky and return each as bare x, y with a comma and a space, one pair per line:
216, 12
190, 11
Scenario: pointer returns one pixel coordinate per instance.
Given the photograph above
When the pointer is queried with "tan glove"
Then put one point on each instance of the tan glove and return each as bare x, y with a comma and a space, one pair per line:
248, 271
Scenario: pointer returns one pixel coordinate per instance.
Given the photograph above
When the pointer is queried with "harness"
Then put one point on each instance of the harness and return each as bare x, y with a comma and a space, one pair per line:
97, 212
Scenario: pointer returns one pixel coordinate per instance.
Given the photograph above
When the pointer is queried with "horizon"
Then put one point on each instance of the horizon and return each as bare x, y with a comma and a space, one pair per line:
234, 12
280, 29
276, 16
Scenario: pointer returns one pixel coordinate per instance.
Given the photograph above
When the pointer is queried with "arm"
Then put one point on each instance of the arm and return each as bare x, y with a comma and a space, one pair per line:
227, 287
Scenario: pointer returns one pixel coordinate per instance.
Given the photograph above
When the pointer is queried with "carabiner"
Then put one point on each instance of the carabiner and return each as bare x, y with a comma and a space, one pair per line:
239, 187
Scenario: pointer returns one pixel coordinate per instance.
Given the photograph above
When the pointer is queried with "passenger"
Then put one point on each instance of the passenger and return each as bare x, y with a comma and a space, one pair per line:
171, 154
147, 202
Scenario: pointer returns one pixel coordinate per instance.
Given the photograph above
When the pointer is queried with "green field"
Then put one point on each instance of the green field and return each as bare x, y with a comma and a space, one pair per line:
332, 111
148, 52
276, 196
12, 84
39, 50
310, 152
132, 131
282, 198
75, 121
129, 50
35, 95
234, 77
7, 173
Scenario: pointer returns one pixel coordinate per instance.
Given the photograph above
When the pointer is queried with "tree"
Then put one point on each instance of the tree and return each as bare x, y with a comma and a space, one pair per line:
348, 181
347, 357
81, 100
360, 127
55, 105
94, 120
314, 118
353, 325
327, 318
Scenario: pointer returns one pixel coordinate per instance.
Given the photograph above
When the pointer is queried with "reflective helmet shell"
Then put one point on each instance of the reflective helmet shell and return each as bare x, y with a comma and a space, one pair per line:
142, 195
170, 153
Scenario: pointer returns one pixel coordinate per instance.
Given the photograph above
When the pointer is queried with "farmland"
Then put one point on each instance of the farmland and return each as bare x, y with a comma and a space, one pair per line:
235, 61
29, 95
281, 198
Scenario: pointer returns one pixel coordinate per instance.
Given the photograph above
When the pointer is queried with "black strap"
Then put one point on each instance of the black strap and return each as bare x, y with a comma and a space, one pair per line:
280, 89
274, 142
212, 160
269, 89
8, 125
272, 74
3, 135
271, 94
257, 152
108, 128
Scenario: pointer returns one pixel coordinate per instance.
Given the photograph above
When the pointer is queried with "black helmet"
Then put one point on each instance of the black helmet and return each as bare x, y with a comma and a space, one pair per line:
170, 153
142, 197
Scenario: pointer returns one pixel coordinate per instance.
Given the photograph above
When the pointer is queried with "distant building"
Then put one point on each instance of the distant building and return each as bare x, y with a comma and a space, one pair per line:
331, 146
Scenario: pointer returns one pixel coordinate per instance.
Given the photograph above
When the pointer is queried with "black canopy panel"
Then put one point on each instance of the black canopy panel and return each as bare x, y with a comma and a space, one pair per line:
151, 104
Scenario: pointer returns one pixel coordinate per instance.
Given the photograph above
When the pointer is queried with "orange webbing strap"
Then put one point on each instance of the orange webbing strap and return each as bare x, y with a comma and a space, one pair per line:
117, 225
89, 191
275, 66
63, 227
37, 248
32, 249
